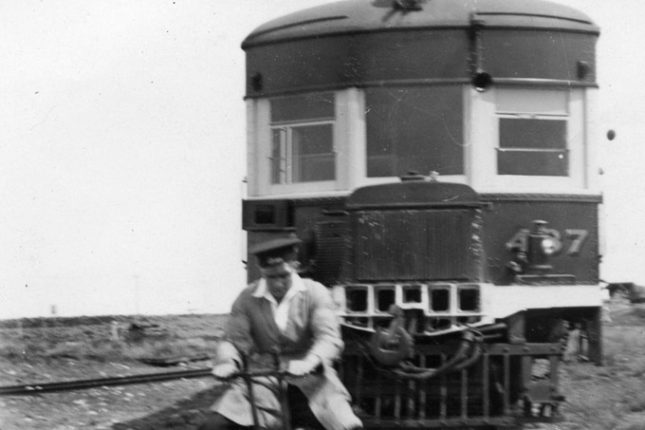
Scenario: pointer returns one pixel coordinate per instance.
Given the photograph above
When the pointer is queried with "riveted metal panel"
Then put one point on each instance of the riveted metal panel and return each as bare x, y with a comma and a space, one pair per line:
412, 245
537, 54
332, 237
573, 222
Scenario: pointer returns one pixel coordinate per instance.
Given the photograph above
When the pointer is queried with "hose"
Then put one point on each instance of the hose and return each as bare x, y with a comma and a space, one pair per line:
468, 352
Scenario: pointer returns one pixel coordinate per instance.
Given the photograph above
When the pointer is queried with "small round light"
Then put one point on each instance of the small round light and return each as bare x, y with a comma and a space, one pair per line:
482, 81
548, 246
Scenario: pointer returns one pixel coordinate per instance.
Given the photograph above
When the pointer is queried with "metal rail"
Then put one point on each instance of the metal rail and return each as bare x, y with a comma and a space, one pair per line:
52, 387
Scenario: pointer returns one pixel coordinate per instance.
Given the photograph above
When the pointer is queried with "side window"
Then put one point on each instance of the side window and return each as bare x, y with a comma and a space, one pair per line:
302, 146
533, 134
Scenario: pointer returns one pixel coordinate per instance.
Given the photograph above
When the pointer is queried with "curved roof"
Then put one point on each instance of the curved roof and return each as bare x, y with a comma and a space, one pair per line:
417, 193
352, 16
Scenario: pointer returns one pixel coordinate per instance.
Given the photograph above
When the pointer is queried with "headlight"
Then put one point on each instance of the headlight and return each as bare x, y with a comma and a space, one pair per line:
549, 246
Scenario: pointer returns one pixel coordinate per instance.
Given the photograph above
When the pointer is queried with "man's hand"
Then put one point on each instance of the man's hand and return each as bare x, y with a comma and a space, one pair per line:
303, 367
224, 370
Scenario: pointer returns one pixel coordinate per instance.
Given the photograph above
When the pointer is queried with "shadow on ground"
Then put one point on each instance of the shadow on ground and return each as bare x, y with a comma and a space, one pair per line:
186, 414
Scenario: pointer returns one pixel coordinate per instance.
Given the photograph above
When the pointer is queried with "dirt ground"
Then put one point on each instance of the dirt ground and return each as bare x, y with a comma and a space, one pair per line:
598, 398
41, 351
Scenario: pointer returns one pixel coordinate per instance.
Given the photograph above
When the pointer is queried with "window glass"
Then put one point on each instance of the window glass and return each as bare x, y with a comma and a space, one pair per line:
302, 139
303, 107
532, 133
524, 100
532, 147
414, 129
313, 154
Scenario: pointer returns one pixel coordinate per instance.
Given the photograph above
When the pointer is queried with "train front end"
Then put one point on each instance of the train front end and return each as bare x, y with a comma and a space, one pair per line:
437, 158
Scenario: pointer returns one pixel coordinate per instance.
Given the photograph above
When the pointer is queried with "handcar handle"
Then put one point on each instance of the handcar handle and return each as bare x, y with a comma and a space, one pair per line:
256, 373
268, 372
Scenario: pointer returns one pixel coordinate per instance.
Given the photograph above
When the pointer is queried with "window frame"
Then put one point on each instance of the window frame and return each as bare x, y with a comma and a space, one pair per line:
525, 149
288, 164
559, 102
481, 138
260, 146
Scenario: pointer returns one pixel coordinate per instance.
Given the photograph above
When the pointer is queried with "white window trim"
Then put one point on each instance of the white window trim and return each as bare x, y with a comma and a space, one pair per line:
481, 136
460, 179
259, 153
593, 132
482, 143
349, 146
288, 163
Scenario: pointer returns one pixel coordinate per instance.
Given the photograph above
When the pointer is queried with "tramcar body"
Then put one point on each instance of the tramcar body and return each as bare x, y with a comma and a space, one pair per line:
437, 158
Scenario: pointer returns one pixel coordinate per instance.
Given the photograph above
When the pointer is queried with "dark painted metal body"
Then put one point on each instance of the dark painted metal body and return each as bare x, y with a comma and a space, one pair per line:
566, 215
361, 43
429, 231
337, 233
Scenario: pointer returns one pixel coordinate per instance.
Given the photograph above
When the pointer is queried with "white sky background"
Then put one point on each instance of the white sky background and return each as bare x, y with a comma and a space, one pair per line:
122, 141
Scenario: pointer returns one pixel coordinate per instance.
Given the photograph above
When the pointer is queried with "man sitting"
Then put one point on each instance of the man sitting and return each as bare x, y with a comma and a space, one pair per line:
284, 313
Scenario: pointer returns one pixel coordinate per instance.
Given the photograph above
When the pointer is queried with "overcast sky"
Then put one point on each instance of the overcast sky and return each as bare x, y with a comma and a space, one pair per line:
122, 144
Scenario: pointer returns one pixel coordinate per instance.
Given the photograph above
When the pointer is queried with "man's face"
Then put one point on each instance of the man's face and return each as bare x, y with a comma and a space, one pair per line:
278, 279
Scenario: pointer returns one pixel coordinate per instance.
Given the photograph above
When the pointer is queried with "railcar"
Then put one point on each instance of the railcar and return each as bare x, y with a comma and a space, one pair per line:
437, 158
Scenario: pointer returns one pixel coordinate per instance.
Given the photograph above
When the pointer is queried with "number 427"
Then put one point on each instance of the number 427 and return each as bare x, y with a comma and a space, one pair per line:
574, 237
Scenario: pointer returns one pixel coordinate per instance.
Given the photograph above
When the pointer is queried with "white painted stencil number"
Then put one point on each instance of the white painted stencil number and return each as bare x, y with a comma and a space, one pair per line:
578, 237
519, 241
574, 238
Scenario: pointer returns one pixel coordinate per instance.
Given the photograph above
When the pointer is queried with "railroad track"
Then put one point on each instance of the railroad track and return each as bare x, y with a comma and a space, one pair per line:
52, 387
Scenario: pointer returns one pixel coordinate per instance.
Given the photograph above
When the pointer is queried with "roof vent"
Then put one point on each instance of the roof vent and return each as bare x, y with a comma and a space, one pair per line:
407, 4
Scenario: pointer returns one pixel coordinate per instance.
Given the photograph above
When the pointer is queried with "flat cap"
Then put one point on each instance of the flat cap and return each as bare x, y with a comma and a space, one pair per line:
274, 245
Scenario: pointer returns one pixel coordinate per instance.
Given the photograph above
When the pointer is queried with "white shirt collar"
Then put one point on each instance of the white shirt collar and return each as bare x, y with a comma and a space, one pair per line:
297, 285
281, 310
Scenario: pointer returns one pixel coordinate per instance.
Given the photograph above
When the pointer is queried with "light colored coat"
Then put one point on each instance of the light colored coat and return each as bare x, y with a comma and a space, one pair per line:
312, 329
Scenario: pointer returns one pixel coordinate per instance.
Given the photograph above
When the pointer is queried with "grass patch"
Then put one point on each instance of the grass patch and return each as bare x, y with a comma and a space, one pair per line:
598, 398
611, 396
171, 336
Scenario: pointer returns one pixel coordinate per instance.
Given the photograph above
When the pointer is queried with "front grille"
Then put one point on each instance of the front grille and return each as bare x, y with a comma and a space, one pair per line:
413, 244
435, 306
490, 392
